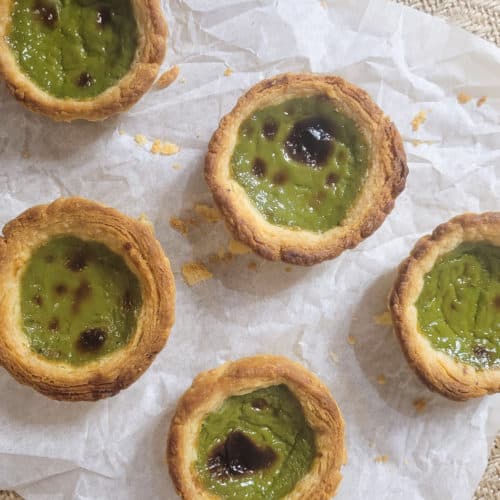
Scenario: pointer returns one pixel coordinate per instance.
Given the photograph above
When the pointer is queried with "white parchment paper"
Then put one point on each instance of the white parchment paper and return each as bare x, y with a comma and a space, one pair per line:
408, 62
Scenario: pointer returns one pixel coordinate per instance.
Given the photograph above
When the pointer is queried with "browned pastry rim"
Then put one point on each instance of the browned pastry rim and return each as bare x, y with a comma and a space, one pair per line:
152, 34
385, 179
439, 371
134, 241
211, 388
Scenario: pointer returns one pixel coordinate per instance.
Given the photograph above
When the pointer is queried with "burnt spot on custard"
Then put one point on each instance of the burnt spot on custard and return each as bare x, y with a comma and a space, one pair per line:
46, 12
270, 128
331, 180
60, 289
91, 340
54, 324
85, 79
259, 167
279, 178
82, 293
104, 16
77, 261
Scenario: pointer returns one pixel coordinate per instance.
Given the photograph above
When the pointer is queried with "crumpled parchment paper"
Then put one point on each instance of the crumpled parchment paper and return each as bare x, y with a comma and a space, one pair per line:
399, 447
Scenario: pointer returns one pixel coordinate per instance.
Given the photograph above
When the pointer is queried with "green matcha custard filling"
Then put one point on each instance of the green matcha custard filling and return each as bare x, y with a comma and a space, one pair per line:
459, 306
73, 48
256, 446
302, 163
79, 300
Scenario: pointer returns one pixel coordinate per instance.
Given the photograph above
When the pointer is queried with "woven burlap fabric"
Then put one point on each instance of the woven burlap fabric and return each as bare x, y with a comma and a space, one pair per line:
481, 17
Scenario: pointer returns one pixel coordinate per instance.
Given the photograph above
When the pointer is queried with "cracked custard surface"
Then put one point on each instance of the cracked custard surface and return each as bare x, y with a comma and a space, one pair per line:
73, 48
79, 300
459, 306
302, 163
256, 446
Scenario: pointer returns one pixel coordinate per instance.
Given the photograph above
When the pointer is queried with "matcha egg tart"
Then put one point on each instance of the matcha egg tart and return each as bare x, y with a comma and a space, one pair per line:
87, 59
304, 167
445, 307
260, 428
87, 299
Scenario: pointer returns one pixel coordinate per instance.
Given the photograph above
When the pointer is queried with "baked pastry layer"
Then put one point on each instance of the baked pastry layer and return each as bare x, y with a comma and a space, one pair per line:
134, 242
207, 400
452, 341
384, 179
59, 61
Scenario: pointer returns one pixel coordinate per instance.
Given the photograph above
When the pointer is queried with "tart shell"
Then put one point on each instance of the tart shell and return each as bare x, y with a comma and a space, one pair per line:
386, 176
151, 46
134, 241
210, 389
439, 371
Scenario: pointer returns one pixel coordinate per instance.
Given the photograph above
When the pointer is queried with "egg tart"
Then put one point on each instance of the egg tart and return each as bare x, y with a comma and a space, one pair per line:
304, 167
445, 307
87, 59
86, 299
260, 427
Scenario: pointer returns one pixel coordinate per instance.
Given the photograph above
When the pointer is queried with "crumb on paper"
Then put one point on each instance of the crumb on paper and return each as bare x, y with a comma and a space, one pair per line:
176, 166
252, 265
383, 319
181, 226
167, 78
164, 148
463, 98
417, 142
238, 248
324, 4
334, 356
419, 118
371, 444
182, 80
351, 340
481, 101
26, 154
195, 272
228, 72
121, 131
420, 404
210, 214
288, 269
381, 379
381, 459
140, 139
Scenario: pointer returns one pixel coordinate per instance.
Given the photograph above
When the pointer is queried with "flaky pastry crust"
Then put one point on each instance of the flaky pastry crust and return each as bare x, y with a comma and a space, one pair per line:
211, 388
439, 371
151, 46
386, 176
134, 241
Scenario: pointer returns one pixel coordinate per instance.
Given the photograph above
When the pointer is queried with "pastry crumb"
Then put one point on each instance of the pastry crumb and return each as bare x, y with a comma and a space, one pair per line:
176, 166
181, 226
238, 248
420, 404
417, 142
419, 118
228, 72
26, 154
481, 101
383, 319
168, 77
195, 272
210, 214
288, 269
164, 148
381, 459
121, 131
381, 379
351, 340
140, 139
463, 98
252, 265
334, 357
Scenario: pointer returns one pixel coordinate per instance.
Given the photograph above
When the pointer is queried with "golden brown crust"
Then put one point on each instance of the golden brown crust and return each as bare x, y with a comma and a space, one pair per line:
152, 29
210, 389
135, 242
437, 370
386, 176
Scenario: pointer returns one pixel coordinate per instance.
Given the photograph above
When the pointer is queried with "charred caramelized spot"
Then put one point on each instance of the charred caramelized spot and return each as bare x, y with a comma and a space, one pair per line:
331, 179
496, 301
38, 300
46, 11
280, 178
82, 293
85, 79
91, 340
259, 167
247, 130
481, 352
270, 128
49, 259
60, 289
311, 141
127, 246
454, 306
238, 455
54, 324
104, 15
77, 261
260, 404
